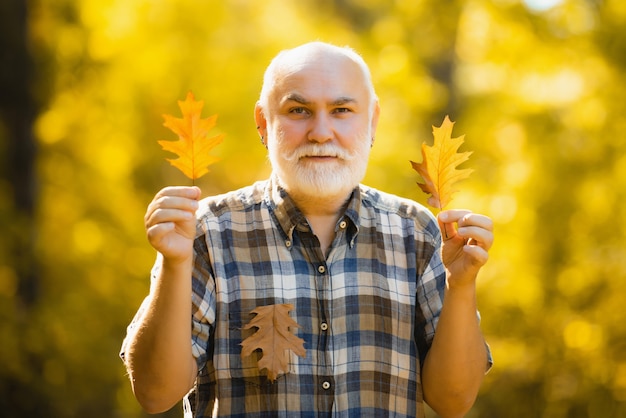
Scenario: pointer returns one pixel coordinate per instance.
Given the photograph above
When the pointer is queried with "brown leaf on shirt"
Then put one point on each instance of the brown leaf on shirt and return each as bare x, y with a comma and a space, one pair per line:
274, 338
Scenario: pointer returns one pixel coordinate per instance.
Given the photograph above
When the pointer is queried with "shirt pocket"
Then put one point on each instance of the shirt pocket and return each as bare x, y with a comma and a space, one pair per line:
242, 367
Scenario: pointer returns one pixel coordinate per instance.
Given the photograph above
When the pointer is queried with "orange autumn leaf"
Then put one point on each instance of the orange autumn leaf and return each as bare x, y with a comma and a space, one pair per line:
193, 145
274, 339
439, 165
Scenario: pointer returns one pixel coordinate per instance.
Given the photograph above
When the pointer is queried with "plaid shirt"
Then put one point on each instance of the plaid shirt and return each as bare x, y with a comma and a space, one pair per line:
367, 311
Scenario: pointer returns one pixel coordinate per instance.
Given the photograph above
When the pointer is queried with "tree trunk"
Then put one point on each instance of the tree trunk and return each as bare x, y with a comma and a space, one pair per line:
17, 110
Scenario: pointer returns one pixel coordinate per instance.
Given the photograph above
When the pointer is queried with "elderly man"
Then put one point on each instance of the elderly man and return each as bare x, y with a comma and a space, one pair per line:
385, 306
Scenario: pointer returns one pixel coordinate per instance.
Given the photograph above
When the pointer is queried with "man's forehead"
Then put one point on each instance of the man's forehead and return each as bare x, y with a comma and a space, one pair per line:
337, 81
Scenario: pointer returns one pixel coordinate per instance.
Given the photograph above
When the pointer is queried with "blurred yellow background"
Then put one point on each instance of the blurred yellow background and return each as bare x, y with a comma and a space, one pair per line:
536, 87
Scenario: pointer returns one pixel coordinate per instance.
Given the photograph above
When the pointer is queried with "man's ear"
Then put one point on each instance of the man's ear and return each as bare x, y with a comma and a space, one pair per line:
261, 123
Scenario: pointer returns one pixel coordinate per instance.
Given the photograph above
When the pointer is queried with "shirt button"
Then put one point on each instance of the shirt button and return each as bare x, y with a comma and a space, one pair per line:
288, 243
343, 224
321, 269
324, 326
326, 385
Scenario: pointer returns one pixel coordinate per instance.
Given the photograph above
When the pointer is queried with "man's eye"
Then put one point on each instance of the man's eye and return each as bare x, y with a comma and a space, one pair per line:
298, 110
342, 110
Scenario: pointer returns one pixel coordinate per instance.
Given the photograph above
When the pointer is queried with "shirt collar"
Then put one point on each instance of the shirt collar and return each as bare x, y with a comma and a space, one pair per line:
288, 217
351, 215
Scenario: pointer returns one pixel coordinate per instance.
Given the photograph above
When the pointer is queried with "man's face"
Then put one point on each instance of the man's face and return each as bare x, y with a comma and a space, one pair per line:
320, 126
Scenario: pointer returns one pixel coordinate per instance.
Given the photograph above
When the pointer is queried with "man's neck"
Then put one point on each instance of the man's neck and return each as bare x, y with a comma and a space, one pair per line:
322, 214
321, 206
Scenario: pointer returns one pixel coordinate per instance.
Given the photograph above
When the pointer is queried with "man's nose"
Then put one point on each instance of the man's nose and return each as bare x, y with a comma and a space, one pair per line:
321, 128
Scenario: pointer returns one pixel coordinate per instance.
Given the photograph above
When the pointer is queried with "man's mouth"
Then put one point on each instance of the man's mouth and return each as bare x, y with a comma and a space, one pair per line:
319, 158
321, 154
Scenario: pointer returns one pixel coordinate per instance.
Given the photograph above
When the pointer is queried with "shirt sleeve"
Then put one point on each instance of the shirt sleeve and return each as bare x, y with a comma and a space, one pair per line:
203, 302
489, 354
431, 282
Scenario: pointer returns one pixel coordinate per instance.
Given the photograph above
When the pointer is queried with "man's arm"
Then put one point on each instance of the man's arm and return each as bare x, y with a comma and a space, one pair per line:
457, 360
158, 354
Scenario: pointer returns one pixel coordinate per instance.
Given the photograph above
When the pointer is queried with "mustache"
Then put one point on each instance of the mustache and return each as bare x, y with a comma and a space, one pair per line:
325, 150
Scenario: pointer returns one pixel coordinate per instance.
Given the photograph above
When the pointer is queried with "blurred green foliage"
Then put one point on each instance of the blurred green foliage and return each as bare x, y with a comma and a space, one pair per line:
539, 95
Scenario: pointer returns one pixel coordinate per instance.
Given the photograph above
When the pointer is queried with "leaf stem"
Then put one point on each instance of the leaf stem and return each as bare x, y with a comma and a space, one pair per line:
445, 232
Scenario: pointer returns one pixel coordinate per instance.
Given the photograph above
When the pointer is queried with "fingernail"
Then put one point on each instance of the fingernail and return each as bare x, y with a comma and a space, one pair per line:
443, 216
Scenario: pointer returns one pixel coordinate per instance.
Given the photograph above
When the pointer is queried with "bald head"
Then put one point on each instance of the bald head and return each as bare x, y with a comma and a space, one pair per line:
291, 61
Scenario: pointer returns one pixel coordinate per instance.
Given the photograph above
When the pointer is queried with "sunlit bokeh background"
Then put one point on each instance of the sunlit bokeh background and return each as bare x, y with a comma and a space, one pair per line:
537, 87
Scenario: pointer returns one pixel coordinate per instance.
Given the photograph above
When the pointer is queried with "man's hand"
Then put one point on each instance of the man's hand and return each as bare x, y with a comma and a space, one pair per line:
466, 246
171, 223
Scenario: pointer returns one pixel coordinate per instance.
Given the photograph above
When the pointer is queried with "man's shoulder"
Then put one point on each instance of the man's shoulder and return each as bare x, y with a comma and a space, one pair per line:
389, 202
234, 200
395, 205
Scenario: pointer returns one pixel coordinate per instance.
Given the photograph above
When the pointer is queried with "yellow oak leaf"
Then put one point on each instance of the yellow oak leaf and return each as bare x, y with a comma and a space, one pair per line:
274, 338
193, 145
439, 165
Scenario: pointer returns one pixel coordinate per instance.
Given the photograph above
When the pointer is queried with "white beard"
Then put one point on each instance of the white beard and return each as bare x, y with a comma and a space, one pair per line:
320, 179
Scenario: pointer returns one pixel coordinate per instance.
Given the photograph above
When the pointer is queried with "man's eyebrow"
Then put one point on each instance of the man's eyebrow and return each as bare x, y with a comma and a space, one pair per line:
294, 97
343, 100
